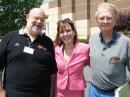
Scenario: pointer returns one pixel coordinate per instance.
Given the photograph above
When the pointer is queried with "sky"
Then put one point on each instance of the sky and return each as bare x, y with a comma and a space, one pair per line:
45, 1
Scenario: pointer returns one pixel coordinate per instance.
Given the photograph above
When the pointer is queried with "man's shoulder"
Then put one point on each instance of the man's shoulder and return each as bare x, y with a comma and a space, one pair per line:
11, 34
46, 40
124, 37
94, 36
46, 37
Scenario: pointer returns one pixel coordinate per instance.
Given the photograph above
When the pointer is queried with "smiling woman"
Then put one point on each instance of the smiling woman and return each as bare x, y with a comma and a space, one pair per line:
65, 26
71, 57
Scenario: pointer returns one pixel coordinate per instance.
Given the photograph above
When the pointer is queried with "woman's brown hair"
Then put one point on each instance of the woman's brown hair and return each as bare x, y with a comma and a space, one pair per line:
61, 24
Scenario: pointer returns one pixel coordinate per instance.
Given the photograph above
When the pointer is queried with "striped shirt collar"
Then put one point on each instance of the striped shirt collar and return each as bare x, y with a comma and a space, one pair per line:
21, 32
113, 40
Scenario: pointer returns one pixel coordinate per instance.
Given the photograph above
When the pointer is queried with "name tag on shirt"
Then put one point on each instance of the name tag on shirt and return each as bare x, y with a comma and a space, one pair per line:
28, 50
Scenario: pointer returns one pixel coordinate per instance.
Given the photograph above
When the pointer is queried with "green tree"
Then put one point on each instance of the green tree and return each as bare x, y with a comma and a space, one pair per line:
123, 22
13, 13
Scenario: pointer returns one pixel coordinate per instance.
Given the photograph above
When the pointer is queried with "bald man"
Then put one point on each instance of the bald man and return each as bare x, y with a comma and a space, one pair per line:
28, 58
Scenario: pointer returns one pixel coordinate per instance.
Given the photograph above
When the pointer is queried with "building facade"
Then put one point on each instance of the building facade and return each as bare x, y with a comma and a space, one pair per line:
81, 12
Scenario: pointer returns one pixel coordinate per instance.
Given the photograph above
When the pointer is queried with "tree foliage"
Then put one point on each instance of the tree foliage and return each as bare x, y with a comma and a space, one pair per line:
123, 21
13, 13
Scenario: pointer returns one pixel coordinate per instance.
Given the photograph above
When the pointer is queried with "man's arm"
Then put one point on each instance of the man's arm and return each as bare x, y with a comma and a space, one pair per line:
128, 60
53, 85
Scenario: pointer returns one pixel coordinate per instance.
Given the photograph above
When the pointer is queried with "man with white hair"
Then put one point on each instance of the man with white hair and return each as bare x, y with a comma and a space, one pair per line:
109, 54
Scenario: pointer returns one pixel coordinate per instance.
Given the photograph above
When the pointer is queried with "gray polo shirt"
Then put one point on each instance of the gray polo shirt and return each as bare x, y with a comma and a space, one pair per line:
109, 60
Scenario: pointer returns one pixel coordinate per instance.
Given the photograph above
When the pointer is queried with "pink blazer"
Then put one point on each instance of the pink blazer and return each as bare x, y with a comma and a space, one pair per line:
70, 74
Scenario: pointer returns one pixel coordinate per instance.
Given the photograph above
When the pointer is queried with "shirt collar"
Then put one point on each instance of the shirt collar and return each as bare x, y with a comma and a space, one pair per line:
21, 32
114, 37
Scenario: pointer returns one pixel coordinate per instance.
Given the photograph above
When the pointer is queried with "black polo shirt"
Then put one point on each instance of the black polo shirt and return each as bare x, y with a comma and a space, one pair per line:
28, 64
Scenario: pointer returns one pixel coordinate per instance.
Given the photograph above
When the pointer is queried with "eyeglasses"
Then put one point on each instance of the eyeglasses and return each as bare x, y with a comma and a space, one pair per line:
105, 18
42, 19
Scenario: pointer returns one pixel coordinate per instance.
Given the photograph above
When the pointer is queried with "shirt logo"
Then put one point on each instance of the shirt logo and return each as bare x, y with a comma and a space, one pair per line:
41, 47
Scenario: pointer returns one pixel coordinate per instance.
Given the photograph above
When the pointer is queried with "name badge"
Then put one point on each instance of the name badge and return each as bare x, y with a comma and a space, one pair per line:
28, 50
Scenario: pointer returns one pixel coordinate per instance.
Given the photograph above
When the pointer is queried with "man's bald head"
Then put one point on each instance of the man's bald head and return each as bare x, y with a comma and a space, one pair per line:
37, 11
35, 21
